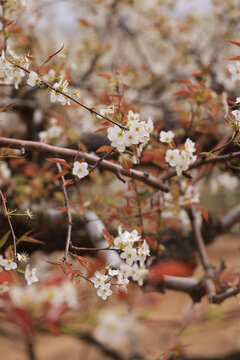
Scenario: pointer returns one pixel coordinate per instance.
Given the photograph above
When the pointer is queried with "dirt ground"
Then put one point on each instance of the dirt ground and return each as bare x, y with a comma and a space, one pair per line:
217, 331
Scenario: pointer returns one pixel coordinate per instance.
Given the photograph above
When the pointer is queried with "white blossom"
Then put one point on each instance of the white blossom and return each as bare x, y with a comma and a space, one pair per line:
33, 79
80, 169
104, 291
8, 264
166, 136
98, 279
30, 275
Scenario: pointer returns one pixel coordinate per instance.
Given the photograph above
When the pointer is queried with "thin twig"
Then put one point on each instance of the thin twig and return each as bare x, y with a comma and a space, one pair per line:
203, 255
70, 154
66, 199
5, 210
49, 86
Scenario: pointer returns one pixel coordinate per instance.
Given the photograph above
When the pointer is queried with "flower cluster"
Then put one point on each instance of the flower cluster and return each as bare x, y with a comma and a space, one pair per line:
115, 326
9, 73
39, 299
53, 132
223, 181
11, 264
59, 89
80, 169
133, 266
137, 133
181, 159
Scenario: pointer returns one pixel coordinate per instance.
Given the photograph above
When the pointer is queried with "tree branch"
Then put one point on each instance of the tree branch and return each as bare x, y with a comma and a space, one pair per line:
65, 153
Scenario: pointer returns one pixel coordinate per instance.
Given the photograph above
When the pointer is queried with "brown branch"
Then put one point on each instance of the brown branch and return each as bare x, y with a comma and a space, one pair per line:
231, 218
5, 210
203, 255
66, 199
69, 154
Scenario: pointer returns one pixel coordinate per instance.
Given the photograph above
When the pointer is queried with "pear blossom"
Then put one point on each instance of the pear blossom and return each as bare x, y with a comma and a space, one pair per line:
8, 264
107, 111
98, 279
172, 157
166, 136
22, 257
57, 94
104, 291
189, 146
129, 254
132, 116
235, 70
80, 169
30, 275
33, 79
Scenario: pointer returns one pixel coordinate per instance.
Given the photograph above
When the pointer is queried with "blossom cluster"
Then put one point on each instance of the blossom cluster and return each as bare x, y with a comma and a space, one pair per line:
9, 72
59, 89
223, 181
137, 132
181, 160
53, 132
11, 264
34, 297
115, 326
134, 265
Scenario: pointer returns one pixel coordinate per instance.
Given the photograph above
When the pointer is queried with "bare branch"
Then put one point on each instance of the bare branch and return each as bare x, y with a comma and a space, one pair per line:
65, 153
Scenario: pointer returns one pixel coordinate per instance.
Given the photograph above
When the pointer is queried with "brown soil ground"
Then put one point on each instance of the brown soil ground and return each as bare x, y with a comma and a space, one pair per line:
217, 331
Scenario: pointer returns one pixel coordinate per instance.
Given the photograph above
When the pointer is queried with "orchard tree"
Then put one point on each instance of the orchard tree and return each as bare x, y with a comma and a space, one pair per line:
110, 136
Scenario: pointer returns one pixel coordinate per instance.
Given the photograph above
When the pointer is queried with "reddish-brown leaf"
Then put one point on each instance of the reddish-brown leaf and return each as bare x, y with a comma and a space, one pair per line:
108, 237
80, 259
234, 42
235, 58
106, 76
62, 173
50, 57
205, 214
105, 148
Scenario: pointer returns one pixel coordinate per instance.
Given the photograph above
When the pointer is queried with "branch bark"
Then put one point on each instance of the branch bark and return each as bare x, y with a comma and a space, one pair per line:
69, 154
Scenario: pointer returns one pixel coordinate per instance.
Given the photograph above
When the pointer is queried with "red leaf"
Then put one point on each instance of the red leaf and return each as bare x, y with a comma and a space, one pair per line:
58, 263
235, 58
108, 237
234, 42
58, 161
106, 76
62, 173
105, 148
205, 214
49, 58
30, 57
81, 259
